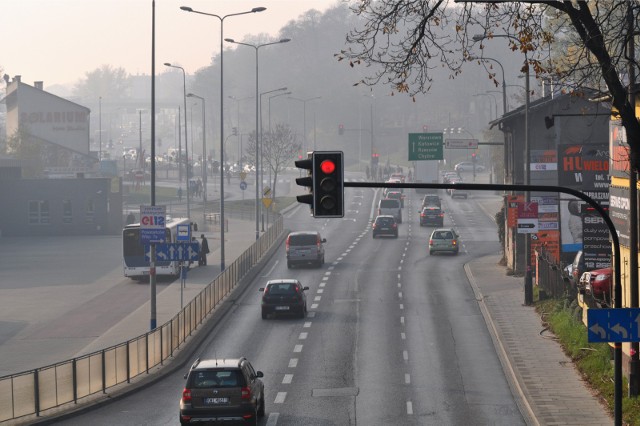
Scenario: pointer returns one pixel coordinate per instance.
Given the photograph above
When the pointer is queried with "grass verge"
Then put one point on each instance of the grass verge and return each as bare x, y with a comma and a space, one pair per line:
593, 360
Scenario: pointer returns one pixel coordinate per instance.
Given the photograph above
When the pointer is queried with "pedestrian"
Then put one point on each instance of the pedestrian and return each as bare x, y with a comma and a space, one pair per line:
204, 250
131, 218
180, 194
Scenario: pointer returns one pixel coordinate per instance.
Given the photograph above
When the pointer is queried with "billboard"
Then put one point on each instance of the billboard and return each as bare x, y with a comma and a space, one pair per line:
584, 167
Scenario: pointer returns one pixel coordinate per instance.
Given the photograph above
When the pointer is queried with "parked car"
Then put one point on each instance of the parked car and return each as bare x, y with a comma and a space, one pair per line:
596, 283
305, 247
284, 296
431, 215
467, 166
443, 240
385, 225
222, 390
577, 269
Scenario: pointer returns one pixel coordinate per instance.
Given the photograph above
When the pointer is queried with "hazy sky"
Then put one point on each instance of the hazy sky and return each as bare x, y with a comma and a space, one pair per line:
58, 41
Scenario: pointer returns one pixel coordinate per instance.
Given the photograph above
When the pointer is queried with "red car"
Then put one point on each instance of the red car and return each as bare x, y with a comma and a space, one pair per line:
597, 283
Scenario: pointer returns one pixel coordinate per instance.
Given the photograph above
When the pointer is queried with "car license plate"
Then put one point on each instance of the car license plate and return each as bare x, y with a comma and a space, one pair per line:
213, 401
282, 308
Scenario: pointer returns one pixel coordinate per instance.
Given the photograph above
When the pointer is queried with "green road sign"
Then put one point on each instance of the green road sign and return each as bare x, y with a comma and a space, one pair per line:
425, 146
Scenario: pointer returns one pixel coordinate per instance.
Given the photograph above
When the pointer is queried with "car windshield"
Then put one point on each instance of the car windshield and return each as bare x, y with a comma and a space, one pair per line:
443, 235
284, 288
385, 221
303, 240
215, 378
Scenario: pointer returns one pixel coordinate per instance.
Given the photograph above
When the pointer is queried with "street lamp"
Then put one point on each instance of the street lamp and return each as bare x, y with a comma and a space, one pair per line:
495, 102
269, 110
186, 145
504, 85
304, 121
528, 280
221, 19
239, 133
203, 163
257, 48
100, 128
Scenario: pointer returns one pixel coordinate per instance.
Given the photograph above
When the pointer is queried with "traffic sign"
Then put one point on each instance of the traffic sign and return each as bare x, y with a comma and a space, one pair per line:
425, 146
266, 191
183, 233
461, 143
174, 251
613, 325
152, 224
267, 202
243, 185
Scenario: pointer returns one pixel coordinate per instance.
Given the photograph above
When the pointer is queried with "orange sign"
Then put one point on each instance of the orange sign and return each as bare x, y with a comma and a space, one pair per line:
550, 241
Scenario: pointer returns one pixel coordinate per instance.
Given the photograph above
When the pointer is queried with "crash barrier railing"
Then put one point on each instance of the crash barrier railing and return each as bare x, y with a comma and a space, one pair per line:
35, 391
549, 276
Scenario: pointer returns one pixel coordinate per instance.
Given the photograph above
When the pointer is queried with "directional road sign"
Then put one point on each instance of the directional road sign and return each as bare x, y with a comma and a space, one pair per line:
425, 146
613, 325
461, 143
243, 185
174, 251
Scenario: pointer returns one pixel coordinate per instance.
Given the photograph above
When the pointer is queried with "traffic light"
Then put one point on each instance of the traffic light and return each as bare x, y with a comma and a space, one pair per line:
328, 184
306, 181
473, 157
341, 129
425, 128
375, 159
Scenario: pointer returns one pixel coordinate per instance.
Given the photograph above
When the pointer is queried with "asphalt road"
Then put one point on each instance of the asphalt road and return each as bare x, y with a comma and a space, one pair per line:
393, 335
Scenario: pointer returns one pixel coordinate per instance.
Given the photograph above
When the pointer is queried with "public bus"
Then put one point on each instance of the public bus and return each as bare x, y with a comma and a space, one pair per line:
135, 265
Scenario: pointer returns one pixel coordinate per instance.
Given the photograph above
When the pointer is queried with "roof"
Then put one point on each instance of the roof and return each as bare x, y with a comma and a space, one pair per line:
283, 281
218, 363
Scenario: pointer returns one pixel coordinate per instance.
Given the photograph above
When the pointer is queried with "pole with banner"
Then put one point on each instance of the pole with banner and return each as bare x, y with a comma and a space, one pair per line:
152, 231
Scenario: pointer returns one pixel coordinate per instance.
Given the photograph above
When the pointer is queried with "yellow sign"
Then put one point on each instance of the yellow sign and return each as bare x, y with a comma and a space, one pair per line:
267, 202
243, 175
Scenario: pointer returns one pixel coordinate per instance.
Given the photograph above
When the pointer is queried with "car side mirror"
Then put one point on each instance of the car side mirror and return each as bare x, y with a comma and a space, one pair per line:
261, 289
305, 288
324, 240
185, 376
259, 374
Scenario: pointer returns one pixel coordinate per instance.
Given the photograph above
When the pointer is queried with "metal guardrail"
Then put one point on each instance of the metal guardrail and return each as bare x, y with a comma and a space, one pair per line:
549, 277
33, 392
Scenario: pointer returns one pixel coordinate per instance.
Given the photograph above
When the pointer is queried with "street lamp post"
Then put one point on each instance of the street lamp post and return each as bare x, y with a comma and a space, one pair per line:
257, 48
203, 163
100, 128
528, 279
304, 121
184, 95
239, 134
221, 19
495, 102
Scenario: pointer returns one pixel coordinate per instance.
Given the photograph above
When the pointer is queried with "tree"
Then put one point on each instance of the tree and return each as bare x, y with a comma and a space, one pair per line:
106, 82
405, 41
23, 146
279, 147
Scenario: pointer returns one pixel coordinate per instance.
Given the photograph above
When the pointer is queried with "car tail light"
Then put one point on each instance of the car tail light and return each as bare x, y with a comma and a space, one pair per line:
422, 215
186, 395
245, 393
454, 242
318, 242
287, 244
395, 225
430, 242
441, 215
375, 226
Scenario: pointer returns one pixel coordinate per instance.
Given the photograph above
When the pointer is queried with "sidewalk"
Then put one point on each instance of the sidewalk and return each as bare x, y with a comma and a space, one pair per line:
238, 238
543, 379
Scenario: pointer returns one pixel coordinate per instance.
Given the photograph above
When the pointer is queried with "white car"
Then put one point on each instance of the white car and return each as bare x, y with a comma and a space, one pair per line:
467, 166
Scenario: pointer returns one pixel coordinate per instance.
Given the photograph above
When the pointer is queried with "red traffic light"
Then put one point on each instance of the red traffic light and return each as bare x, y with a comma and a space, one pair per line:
327, 167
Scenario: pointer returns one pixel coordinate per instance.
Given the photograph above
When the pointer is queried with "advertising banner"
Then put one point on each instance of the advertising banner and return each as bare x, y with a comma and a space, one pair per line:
596, 245
619, 213
618, 150
583, 167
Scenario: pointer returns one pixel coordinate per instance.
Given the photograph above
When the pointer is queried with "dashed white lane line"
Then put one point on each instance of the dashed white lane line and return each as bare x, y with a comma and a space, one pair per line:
407, 378
399, 285
335, 263
328, 273
402, 320
280, 397
303, 336
320, 290
313, 306
297, 348
323, 284
293, 362
399, 276
400, 295
307, 324
399, 268
401, 306
405, 355
403, 336
409, 408
325, 278
331, 268
273, 419
317, 298
286, 380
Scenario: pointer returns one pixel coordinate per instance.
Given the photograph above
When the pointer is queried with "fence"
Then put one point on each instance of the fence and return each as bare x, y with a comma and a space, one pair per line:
35, 391
549, 276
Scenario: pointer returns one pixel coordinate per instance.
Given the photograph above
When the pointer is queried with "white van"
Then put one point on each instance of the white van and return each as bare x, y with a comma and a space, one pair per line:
390, 207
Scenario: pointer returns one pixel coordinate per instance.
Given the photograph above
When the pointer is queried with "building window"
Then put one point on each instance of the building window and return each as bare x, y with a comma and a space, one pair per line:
67, 212
89, 212
39, 212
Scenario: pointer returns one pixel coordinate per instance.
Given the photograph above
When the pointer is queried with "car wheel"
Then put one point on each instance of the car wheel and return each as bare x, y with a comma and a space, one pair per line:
289, 265
264, 314
303, 312
254, 420
430, 252
455, 253
261, 409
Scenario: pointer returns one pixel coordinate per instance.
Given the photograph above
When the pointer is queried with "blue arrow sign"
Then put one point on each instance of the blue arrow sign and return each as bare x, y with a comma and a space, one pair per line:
243, 185
174, 251
613, 325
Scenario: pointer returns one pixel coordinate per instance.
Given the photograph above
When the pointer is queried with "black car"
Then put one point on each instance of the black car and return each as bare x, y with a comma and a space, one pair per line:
284, 296
222, 390
385, 225
431, 200
433, 216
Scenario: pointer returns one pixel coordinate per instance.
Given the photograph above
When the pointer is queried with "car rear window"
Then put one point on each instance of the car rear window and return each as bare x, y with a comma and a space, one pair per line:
303, 240
443, 235
385, 221
216, 379
281, 288
389, 204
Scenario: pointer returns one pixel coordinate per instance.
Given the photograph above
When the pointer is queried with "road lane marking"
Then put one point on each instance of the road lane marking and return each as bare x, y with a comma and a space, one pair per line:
409, 408
320, 290
297, 348
311, 314
303, 336
407, 378
272, 268
401, 306
307, 324
401, 320
405, 355
293, 362
280, 397
273, 419
286, 380
313, 306
403, 336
